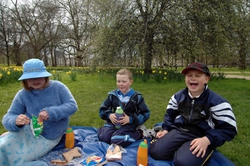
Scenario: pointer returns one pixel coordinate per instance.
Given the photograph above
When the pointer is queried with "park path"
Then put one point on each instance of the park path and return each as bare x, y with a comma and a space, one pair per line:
238, 76
231, 75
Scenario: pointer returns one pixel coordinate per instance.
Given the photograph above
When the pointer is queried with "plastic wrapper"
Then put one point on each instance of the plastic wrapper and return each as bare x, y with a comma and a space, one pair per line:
92, 161
36, 126
114, 152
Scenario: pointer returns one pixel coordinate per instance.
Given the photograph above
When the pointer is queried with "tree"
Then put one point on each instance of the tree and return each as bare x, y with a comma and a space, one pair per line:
239, 30
129, 32
151, 12
5, 32
34, 20
78, 27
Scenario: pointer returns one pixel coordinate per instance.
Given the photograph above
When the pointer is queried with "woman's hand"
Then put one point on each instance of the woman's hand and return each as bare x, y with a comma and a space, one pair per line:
22, 120
43, 115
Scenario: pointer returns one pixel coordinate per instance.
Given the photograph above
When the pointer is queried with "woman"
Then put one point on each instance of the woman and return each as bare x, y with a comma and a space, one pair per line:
50, 101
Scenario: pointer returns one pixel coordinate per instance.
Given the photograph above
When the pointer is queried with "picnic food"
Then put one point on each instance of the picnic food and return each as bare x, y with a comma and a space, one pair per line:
114, 153
36, 126
70, 155
58, 162
93, 161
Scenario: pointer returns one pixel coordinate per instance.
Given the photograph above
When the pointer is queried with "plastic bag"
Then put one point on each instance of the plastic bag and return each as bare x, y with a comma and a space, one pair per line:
92, 161
36, 126
114, 152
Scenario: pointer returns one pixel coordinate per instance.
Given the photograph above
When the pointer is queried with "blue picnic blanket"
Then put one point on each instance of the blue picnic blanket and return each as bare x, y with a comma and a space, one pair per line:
87, 142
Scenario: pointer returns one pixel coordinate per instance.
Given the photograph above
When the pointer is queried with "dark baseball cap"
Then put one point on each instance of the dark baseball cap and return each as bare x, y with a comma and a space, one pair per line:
198, 66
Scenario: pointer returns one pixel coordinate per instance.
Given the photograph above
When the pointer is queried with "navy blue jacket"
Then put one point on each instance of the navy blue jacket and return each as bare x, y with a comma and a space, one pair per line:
136, 108
208, 115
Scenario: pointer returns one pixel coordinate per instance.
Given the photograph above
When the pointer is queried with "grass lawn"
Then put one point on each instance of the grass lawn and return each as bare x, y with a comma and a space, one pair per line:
90, 91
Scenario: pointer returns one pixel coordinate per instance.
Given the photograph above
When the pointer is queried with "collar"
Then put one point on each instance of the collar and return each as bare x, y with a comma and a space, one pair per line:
190, 95
129, 93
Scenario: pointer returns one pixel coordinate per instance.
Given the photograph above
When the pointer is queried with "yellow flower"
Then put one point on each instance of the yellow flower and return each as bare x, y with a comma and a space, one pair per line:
153, 71
165, 73
53, 71
160, 72
1, 75
165, 78
8, 72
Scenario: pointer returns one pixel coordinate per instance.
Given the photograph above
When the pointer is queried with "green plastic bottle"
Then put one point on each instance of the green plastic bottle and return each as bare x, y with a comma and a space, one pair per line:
119, 113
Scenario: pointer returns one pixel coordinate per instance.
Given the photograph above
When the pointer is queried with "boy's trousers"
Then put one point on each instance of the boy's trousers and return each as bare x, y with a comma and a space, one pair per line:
175, 145
124, 136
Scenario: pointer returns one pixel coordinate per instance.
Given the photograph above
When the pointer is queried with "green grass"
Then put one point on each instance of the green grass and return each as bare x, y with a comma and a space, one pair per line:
90, 90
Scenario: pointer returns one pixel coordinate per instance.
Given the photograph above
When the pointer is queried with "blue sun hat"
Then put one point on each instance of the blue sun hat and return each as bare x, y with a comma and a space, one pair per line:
34, 68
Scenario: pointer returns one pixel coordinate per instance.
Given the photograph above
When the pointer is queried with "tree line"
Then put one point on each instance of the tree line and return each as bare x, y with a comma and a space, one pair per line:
139, 33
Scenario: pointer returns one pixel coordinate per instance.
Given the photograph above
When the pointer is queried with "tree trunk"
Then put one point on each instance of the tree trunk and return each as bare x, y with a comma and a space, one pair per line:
148, 54
242, 52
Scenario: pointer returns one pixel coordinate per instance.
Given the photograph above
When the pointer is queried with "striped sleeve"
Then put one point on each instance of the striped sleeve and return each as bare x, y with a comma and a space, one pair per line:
223, 112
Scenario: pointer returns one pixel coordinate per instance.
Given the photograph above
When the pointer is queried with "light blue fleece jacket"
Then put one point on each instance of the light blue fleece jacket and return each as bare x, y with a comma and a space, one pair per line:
56, 99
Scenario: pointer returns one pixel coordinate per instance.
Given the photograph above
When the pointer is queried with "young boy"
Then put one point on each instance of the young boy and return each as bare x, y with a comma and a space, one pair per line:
135, 110
197, 121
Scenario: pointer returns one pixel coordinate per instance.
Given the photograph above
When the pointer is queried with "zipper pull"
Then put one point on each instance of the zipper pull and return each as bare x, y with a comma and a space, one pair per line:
193, 102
